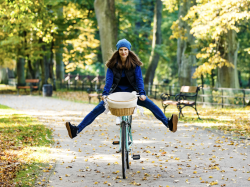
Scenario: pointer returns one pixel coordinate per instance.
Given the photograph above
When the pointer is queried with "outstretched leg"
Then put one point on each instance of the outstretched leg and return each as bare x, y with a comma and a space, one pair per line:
91, 116
170, 123
86, 121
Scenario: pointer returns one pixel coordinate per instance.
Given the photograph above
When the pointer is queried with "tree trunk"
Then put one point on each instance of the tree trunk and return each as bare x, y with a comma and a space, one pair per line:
154, 58
51, 65
30, 72
44, 63
186, 58
202, 81
240, 80
249, 81
212, 78
105, 14
138, 23
59, 63
20, 71
11, 73
59, 46
228, 76
30, 69
4, 75
150, 6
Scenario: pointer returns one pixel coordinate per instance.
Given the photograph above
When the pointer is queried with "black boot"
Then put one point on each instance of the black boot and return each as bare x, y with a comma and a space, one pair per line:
72, 130
172, 123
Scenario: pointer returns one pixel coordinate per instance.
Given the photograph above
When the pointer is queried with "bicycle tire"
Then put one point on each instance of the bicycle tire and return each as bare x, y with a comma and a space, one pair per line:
129, 129
127, 153
124, 150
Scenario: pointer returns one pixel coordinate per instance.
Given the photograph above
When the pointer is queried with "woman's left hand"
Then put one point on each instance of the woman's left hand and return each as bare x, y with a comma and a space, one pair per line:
142, 97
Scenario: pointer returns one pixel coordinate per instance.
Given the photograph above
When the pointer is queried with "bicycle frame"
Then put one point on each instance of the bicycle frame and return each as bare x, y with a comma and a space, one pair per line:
128, 134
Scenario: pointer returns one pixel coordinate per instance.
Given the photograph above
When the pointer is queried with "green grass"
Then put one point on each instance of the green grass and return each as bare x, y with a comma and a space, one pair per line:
74, 100
74, 96
28, 174
25, 141
4, 107
225, 119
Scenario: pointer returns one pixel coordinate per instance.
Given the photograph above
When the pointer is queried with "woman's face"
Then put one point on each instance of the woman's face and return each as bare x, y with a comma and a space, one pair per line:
123, 52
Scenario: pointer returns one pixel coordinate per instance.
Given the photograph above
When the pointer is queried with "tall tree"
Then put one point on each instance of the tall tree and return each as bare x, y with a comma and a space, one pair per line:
3, 75
20, 71
167, 68
105, 13
214, 25
228, 75
59, 49
81, 43
154, 58
20, 65
186, 59
138, 24
51, 66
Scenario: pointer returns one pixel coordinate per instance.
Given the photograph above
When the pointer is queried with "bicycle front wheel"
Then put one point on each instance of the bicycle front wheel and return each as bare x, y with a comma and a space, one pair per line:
128, 132
124, 151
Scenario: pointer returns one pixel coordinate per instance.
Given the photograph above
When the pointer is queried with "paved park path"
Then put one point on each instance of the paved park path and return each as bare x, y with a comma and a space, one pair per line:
190, 157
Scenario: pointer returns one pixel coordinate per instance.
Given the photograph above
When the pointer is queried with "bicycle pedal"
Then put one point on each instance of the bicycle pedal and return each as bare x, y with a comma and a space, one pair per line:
116, 142
129, 143
136, 157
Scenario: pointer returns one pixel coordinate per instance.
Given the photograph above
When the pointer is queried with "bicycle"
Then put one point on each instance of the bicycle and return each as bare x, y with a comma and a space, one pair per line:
125, 123
125, 143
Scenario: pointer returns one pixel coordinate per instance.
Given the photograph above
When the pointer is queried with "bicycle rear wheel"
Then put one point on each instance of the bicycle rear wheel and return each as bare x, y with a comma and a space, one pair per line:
124, 151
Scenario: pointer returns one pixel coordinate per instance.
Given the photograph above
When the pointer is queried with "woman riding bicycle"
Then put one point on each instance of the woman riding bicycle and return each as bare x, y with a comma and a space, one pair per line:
124, 75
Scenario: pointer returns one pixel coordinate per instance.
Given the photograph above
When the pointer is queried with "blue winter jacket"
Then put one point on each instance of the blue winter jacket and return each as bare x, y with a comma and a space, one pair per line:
127, 88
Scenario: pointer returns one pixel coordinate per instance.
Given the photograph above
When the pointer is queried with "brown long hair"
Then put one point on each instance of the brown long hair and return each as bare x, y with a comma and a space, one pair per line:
131, 61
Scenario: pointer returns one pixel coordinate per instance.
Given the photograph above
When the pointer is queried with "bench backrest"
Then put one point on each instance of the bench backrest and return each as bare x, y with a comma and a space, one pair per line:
32, 80
188, 89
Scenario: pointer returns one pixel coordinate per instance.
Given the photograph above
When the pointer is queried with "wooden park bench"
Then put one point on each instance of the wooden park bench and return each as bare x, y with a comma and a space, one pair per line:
182, 99
31, 84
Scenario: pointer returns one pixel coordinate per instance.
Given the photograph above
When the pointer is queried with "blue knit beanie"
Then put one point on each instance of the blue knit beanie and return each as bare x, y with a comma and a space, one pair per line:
123, 43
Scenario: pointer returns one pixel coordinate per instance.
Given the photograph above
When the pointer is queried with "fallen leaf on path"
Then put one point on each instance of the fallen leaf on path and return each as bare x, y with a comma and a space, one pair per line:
80, 175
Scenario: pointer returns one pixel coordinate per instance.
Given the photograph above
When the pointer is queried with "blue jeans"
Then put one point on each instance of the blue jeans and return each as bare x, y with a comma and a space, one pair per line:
100, 109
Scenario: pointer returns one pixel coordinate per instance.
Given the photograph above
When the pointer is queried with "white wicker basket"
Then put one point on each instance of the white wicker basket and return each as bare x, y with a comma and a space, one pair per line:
122, 103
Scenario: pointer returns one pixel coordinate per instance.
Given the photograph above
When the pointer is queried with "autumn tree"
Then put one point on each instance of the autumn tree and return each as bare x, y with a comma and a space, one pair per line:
186, 50
154, 58
216, 23
36, 30
59, 47
105, 14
